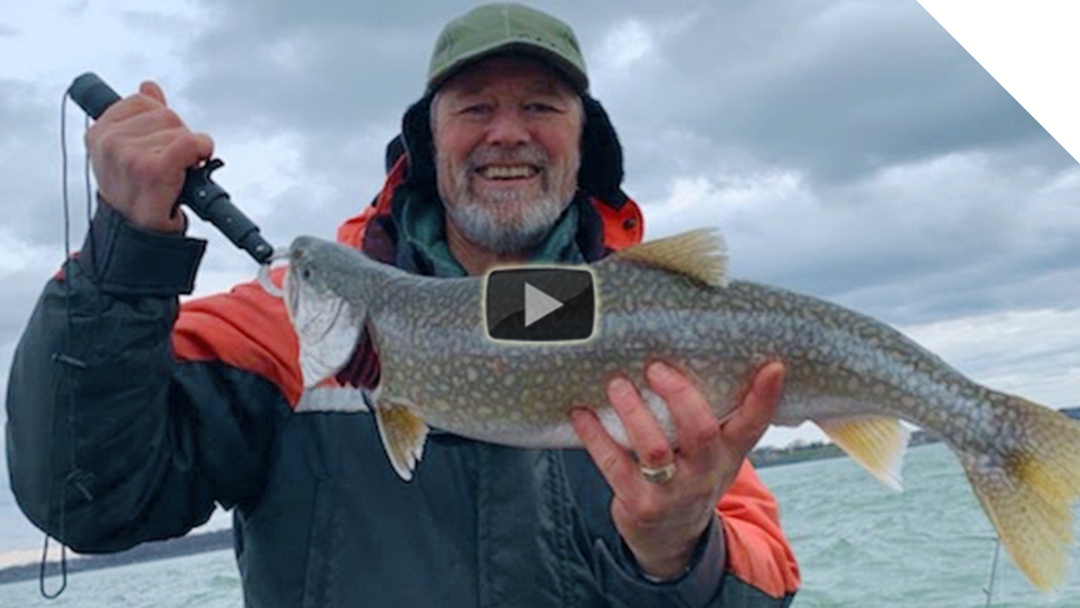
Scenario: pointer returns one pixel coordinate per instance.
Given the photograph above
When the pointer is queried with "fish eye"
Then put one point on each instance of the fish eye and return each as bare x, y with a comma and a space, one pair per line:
306, 273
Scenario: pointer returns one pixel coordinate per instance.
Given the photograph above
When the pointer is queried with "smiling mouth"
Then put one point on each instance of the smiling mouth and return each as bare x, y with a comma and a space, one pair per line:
508, 172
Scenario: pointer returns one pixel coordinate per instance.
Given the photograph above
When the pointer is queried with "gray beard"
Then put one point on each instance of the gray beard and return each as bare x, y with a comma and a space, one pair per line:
518, 225
510, 222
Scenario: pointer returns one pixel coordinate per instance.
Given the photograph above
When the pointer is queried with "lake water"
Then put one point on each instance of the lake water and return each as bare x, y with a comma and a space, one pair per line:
858, 545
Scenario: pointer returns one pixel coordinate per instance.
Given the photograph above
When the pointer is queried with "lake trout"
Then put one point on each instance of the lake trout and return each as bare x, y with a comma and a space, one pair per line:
670, 299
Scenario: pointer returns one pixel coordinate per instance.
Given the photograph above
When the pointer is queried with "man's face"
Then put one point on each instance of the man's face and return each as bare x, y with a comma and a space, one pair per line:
507, 135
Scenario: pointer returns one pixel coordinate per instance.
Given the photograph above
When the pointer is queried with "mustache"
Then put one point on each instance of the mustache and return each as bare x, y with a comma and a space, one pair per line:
526, 154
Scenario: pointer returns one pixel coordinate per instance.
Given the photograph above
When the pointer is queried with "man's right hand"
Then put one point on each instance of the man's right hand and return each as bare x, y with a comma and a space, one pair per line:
140, 151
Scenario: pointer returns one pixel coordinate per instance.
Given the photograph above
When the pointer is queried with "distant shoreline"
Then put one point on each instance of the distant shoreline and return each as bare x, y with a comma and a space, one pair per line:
223, 539
817, 450
146, 552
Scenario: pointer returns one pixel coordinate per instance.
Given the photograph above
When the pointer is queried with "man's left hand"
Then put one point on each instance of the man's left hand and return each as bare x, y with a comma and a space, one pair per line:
662, 522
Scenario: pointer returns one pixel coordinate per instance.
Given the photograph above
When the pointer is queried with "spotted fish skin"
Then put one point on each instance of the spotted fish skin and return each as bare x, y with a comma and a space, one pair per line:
852, 375
436, 357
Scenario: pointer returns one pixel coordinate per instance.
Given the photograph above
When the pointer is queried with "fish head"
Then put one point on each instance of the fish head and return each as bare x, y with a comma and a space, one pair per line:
324, 288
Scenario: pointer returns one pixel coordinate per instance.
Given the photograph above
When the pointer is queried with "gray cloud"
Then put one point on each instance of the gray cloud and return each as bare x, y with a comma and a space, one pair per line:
848, 149
834, 90
846, 90
29, 140
962, 234
31, 236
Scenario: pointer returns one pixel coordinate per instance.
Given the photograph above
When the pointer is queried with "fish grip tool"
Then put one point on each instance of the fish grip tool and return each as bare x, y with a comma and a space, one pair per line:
200, 193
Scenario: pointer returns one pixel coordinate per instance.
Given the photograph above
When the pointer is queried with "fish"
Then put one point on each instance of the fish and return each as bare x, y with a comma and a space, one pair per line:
671, 299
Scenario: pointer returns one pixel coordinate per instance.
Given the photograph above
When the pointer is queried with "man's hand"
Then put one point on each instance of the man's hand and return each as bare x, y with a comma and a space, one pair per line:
661, 523
140, 150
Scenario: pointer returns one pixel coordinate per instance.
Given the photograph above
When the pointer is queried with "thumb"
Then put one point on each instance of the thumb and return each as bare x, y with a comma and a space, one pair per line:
752, 417
151, 89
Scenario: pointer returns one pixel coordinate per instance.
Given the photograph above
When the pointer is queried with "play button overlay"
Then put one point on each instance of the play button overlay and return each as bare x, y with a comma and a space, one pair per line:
540, 304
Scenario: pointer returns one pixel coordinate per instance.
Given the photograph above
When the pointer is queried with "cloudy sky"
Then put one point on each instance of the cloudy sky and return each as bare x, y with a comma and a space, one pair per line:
849, 149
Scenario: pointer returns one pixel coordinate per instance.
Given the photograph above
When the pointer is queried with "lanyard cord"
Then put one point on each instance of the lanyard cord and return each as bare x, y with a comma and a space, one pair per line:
992, 576
66, 360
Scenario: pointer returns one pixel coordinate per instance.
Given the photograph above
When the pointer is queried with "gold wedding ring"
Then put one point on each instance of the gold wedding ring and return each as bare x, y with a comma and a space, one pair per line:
662, 475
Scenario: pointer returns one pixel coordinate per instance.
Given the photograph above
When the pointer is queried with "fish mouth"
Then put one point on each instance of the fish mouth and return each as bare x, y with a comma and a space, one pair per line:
292, 293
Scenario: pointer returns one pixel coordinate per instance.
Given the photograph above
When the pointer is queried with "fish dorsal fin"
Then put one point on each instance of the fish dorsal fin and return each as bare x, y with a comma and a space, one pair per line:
877, 443
403, 435
699, 254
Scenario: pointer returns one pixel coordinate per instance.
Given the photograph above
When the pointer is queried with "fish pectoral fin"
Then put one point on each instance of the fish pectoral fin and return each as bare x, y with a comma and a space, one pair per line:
403, 434
699, 254
877, 443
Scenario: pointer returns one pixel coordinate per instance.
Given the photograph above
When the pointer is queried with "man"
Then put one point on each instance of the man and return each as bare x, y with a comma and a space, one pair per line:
129, 419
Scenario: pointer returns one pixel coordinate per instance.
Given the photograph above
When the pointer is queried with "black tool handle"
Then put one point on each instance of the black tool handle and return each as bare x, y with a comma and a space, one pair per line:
92, 94
206, 198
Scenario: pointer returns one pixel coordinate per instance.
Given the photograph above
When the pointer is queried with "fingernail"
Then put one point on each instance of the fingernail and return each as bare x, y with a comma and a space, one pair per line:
620, 387
661, 371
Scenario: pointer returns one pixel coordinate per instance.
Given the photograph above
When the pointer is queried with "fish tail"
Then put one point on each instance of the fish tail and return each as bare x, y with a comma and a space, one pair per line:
1028, 488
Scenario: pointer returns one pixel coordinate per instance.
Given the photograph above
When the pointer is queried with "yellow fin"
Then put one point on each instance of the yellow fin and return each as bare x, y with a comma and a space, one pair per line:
1028, 492
403, 435
699, 254
877, 443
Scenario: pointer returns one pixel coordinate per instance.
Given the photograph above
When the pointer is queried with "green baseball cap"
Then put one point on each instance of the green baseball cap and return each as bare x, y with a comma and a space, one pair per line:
506, 28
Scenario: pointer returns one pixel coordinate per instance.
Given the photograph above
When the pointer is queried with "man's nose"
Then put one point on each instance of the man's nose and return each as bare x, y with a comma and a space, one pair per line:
507, 128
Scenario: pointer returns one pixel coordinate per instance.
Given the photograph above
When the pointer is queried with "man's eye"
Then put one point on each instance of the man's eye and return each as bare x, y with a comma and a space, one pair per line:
476, 109
540, 107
